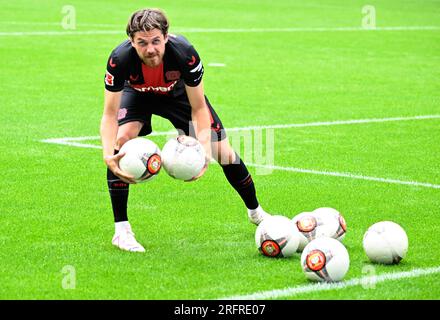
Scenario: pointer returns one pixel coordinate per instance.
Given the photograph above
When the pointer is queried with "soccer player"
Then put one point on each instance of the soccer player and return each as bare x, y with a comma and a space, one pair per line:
154, 72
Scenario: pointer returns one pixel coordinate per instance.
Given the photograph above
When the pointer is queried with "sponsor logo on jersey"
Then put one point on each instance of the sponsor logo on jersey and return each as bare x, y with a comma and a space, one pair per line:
199, 77
134, 78
163, 90
109, 79
193, 60
198, 68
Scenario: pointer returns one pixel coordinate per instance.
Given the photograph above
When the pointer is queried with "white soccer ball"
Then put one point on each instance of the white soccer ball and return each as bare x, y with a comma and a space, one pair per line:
337, 227
276, 236
306, 224
183, 157
322, 222
385, 242
142, 159
325, 259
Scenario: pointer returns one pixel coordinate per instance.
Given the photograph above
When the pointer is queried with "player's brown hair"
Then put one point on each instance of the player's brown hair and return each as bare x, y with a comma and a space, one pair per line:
146, 20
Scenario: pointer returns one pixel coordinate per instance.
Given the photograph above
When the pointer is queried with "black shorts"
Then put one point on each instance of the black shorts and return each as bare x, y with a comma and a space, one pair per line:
136, 106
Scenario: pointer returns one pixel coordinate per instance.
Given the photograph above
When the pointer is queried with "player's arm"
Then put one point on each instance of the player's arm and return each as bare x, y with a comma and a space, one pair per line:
109, 131
200, 116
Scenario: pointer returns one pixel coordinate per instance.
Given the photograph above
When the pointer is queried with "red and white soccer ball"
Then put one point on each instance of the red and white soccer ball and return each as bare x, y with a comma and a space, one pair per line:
183, 158
142, 159
306, 224
276, 236
322, 222
325, 259
385, 242
336, 222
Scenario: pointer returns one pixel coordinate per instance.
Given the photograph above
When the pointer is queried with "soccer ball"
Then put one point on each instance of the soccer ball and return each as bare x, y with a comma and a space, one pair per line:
385, 242
322, 222
335, 219
142, 159
276, 236
325, 259
183, 158
306, 224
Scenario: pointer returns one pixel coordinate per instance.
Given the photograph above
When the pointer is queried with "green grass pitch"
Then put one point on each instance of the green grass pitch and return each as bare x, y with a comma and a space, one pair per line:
299, 65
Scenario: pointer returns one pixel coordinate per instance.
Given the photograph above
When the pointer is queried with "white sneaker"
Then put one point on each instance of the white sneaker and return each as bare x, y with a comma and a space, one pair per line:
125, 240
257, 215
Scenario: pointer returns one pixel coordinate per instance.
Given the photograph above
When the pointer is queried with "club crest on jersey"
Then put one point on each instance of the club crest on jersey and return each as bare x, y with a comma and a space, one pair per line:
172, 75
109, 79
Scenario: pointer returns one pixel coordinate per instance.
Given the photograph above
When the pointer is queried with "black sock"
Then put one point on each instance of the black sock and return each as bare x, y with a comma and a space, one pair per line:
118, 194
241, 180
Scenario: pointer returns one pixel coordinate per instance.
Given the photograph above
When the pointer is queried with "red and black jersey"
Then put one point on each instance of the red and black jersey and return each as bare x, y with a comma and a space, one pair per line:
181, 65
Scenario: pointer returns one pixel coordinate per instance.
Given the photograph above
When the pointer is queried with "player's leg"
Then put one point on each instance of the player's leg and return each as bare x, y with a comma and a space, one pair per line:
239, 178
178, 111
118, 189
133, 121
234, 168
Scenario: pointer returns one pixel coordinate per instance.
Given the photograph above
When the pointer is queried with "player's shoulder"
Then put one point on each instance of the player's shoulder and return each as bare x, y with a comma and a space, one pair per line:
123, 52
180, 45
178, 41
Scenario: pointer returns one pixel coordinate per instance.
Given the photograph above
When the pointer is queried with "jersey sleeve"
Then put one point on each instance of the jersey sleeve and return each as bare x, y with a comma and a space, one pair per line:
114, 76
193, 68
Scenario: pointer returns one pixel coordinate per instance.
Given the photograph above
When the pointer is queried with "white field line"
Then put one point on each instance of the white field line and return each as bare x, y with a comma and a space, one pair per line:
59, 33
216, 64
59, 23
223, 30
367, 281
117, 25
69, 142
73, 141
336, 122
346, 175
308, 29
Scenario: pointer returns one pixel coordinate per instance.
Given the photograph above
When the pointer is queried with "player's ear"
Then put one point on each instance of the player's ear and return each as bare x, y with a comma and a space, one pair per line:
165, 36
131, 38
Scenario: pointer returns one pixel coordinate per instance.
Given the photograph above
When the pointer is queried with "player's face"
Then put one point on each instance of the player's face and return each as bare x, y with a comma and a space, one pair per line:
150, 46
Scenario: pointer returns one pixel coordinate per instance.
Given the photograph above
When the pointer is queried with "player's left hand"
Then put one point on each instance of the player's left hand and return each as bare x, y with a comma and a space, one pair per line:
112, 163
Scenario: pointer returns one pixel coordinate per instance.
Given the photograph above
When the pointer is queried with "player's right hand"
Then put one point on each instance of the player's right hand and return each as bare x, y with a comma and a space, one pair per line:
112, 163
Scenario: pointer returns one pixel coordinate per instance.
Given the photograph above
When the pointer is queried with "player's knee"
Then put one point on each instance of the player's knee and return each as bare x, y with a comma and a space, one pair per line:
224, 154
127, 132
121, 140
